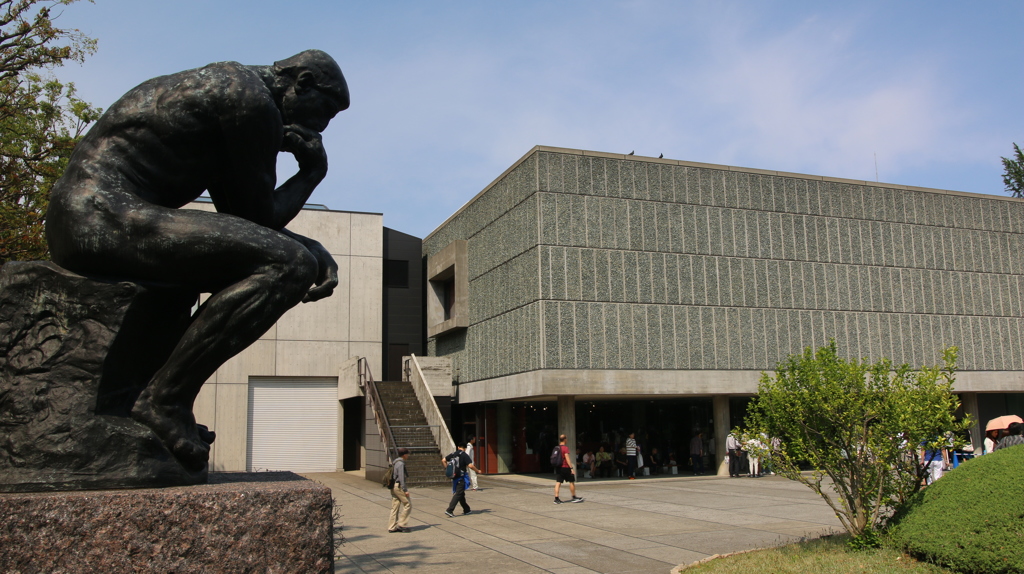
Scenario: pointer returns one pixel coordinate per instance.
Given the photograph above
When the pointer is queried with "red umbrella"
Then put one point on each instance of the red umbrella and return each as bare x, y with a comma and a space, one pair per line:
1002, 422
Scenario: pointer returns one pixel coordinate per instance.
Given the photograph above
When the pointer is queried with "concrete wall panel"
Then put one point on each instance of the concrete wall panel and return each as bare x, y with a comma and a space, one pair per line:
365, 310
258, 360
232, 430
323, 320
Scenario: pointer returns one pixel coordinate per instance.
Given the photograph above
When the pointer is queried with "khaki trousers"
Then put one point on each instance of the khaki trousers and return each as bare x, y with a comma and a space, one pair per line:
399, 500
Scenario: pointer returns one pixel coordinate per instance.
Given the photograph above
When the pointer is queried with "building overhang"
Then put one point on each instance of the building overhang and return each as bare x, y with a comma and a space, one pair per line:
598, 384
609, 383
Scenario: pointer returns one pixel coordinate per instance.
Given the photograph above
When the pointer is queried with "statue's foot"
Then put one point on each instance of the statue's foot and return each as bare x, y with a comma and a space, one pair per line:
177, 429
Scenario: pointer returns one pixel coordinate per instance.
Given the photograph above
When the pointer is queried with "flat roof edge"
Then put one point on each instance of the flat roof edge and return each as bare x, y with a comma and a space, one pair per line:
684, 163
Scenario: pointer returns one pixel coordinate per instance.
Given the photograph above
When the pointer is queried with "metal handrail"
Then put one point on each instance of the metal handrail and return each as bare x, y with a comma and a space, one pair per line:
367, 382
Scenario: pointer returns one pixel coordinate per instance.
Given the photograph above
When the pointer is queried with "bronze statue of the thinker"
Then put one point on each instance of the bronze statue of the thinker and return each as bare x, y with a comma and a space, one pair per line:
219, 129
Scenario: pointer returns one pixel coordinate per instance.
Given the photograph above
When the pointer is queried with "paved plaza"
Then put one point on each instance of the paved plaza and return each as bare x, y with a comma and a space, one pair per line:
648, 525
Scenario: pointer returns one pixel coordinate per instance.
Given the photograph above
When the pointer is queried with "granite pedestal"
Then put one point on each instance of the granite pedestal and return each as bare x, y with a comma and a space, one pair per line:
239, 522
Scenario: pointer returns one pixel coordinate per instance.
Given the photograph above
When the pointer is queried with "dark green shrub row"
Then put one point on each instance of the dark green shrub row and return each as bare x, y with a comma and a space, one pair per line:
971, 520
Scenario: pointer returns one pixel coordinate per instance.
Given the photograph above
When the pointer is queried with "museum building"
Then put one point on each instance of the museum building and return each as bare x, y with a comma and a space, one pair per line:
589, 293
605, 292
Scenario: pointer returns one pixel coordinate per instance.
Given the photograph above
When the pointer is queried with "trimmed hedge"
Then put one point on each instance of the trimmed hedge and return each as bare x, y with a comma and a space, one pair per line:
972, 519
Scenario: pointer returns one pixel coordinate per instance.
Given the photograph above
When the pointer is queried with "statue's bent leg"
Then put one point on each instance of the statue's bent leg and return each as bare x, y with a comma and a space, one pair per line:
254, 275
227, 323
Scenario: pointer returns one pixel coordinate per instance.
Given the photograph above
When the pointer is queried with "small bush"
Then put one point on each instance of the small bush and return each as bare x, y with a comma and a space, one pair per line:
866, 540
972, 520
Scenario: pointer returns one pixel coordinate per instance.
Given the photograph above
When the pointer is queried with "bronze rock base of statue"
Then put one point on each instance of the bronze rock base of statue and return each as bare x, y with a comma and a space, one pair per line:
75, 353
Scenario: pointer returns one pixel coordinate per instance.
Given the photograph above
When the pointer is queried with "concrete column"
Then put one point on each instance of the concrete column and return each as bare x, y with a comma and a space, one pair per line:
504, 436
567, 424
720, 408
970, 405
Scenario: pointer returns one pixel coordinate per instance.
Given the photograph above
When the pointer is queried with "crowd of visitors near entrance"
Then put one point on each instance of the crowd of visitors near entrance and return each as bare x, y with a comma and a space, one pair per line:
622, 454
626, 457
743, 454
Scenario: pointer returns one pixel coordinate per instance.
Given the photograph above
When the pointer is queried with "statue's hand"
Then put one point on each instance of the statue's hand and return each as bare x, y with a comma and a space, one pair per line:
327, 276
307, 147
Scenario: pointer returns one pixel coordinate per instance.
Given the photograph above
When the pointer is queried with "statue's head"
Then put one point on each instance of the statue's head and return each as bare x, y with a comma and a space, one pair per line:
314, 89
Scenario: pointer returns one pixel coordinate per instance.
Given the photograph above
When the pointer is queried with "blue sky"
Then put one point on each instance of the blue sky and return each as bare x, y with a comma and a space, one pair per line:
447, 95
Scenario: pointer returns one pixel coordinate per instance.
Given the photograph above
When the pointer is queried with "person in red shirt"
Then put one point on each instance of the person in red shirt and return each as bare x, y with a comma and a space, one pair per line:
564, 473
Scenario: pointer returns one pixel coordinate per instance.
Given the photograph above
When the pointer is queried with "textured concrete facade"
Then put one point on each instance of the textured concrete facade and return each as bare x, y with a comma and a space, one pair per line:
602, 262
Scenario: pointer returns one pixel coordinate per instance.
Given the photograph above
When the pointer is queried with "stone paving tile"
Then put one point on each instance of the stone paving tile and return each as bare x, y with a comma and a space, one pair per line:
574, 570
672, 555
602, 558
807, 512
620, 542
541, 558
522, 533
658, 525
452, 562
725, 541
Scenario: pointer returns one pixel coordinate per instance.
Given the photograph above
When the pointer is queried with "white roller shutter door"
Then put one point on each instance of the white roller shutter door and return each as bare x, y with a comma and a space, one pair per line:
293, 424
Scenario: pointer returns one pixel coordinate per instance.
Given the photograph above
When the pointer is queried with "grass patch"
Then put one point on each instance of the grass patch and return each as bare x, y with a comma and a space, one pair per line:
828, 555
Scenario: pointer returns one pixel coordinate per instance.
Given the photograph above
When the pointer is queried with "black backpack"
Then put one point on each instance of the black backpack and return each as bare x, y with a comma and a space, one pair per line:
453, 470
556, 457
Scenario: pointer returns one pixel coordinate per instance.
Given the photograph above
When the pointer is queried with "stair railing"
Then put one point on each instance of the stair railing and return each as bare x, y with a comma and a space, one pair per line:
438, 427
386, 437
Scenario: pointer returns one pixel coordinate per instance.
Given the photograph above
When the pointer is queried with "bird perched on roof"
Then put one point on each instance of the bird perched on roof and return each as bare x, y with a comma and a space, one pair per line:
630, 153
661, 155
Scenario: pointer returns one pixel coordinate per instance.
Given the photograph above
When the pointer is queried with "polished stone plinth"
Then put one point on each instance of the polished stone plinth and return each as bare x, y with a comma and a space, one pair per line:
239, 522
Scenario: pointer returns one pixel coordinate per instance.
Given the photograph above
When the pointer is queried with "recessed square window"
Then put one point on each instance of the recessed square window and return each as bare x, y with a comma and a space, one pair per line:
448, 289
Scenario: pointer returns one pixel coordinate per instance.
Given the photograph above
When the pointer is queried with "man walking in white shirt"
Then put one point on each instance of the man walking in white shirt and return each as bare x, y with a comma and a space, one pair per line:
471, 451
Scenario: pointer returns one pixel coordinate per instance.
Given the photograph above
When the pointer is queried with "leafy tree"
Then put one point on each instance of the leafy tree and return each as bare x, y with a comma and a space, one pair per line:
859, 426
1013, 173
40, 119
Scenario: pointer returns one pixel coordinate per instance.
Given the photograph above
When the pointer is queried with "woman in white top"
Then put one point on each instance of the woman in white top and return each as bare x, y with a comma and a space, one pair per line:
991, 438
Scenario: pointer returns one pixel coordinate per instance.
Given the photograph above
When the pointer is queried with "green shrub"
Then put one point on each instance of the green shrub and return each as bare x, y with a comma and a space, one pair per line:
971, 520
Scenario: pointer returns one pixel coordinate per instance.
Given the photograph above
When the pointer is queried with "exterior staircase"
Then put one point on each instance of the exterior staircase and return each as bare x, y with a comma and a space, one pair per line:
410, 429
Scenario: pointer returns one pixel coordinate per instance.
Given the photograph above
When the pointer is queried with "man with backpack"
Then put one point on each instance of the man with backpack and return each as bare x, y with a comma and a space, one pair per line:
399, 494
455, 466
563, 470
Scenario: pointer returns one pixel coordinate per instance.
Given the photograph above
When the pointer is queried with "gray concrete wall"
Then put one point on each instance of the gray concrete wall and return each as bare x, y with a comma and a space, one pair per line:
659, 264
